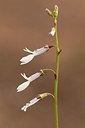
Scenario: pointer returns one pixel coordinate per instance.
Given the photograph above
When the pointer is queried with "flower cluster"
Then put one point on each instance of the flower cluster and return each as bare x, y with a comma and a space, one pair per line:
26, 59
33, 77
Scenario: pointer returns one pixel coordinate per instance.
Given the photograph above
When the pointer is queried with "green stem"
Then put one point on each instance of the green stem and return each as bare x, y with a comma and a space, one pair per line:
56, 80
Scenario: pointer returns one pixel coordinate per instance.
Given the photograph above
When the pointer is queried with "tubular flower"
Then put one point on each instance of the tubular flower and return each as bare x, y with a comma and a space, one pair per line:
35, 100
52, 32
34, 53
32, 102
24, 85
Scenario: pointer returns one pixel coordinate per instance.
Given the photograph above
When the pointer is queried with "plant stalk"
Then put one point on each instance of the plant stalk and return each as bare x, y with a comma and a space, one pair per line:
57, 79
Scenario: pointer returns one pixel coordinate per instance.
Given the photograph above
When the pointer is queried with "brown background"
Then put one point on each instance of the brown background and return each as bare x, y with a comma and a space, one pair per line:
24, 23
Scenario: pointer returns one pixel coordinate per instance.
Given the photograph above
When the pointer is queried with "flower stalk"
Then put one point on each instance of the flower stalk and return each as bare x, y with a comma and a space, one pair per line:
57, 69
54, 32
45, 71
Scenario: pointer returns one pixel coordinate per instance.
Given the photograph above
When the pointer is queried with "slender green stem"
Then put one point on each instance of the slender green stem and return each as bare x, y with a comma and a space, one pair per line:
56, 80
54, 15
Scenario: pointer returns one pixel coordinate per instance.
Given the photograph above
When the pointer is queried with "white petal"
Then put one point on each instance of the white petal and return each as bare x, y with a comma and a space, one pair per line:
24, 108
52, 31
27, 50
41, 50
24, 76
34, 76
26, 59
32, 102
23, 86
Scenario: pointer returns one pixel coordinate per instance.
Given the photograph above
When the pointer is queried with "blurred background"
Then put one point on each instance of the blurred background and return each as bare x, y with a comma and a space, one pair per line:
24, 23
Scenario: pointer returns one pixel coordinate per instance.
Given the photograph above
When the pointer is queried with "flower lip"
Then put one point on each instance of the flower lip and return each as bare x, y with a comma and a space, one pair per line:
24, 85
26, 59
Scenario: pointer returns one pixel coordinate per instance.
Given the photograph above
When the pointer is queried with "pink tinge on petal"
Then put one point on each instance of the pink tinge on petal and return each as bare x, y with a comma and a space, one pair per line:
23, 86
26, 59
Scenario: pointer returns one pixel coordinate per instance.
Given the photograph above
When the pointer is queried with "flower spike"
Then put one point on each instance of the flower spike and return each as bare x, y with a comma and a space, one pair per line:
35, 100
24, 85
34, 53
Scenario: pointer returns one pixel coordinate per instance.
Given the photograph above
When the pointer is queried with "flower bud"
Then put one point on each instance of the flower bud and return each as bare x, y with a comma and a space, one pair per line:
55, 13
49, 12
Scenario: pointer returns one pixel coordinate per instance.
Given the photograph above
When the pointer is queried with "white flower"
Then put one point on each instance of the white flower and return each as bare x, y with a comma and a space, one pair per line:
35, 100
24, 85
52, 33
34, 53
32, 102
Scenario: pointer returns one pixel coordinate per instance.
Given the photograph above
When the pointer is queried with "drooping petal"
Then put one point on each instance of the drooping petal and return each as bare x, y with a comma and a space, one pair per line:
52, 33
27, 50
24, 76
41, 50
26, 59
32, 102
23, 86
34, 76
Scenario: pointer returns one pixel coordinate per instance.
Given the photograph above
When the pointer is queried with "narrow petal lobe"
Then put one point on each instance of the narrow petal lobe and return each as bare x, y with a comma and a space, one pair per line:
23, 86
26, 59
24, 76
27, 50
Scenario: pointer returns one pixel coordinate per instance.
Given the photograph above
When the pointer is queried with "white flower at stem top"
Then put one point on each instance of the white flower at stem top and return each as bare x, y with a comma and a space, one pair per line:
24, 85
52, 32
34, 53
35, 100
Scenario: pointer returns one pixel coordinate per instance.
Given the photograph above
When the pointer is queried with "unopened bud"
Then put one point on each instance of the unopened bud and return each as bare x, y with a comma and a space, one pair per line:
49, 12
55, 13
